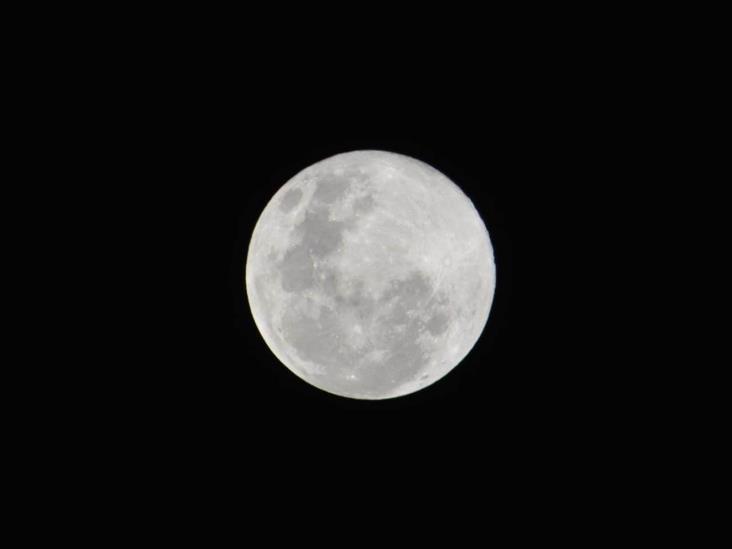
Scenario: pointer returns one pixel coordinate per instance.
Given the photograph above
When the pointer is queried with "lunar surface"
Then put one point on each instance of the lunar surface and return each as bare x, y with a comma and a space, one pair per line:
370, 275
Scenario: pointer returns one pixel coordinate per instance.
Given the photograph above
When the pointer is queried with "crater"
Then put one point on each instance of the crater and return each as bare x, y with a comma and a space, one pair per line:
296, 269
260, 285
437, 324
330, 188
320, 237
410, 292
314, 340
403, 360
290, 200
364, 204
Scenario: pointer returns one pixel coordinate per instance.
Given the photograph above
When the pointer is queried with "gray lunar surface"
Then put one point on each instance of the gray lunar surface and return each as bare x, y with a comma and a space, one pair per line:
370, 275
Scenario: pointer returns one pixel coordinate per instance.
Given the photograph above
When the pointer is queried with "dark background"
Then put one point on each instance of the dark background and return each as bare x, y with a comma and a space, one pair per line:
518, 149
174, 130
209, 134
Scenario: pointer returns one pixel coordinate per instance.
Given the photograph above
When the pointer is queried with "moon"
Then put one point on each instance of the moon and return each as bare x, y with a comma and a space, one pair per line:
370, 275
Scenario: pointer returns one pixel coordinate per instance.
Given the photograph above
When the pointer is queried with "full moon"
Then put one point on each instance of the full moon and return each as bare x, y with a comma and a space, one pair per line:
370, 275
